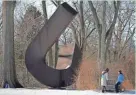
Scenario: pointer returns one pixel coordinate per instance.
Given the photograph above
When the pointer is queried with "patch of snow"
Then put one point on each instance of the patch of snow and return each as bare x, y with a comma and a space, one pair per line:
10, 91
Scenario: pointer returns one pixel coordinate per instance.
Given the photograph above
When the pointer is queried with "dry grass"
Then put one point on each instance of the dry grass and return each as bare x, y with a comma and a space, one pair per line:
87, 78
88, 74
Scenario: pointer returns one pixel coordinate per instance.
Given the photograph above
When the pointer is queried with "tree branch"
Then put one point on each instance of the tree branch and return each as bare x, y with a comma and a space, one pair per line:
82, 25
95, 16
44, 10
130, 37
54, 3
127, 41
115, 35
75, 34
90, 33
114, 19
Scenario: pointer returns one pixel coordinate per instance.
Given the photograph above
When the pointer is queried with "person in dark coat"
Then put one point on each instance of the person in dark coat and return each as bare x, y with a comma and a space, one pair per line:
6, 85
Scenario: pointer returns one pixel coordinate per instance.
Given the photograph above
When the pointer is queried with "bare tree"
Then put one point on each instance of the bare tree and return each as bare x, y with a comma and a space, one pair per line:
125, 30
8, 30
104, 36
81, 26
66, 37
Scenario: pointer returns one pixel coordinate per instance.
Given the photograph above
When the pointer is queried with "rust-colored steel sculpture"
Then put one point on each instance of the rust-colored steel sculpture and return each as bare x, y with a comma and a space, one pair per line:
36, 51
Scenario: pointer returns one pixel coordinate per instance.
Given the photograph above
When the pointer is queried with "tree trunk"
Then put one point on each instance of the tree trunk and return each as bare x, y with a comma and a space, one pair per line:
104, 36
8, 33
83, 41
99, 29
44, 10
103, 44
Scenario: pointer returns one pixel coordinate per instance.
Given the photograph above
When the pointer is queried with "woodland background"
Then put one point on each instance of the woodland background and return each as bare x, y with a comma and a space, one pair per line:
104, 31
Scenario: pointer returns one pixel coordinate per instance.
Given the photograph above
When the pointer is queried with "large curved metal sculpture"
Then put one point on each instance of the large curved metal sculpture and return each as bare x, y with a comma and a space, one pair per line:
36, 51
